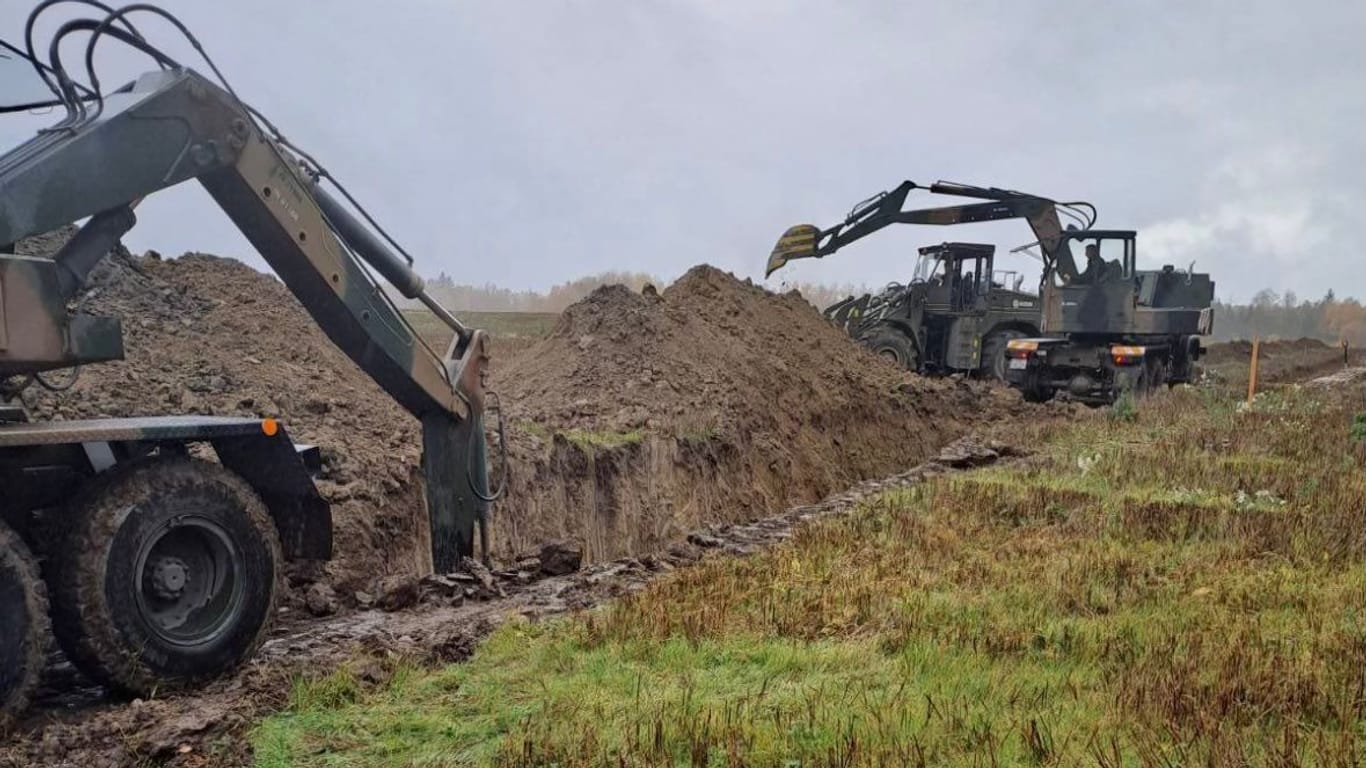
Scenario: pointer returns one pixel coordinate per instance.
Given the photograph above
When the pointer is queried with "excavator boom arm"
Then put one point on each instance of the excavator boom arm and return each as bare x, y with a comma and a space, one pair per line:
806, 241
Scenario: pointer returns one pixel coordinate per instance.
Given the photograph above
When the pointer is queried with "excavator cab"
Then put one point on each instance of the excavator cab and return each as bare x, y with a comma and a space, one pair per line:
1110, 295
1107, 255
954, 275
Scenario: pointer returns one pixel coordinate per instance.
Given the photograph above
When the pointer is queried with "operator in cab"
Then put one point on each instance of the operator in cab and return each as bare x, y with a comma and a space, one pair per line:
1095, 266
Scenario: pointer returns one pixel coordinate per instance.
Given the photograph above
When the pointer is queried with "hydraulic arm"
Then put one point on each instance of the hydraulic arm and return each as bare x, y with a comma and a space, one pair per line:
173, 125
806, 241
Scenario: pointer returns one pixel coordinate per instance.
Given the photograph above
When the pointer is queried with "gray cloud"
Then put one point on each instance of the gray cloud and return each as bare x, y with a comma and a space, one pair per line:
528, 143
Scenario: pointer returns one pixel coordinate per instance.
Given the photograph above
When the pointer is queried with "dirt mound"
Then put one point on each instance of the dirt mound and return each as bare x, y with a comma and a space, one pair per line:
1241, 350
729, 400
208, 335
710, 355
1278, 361
641, 416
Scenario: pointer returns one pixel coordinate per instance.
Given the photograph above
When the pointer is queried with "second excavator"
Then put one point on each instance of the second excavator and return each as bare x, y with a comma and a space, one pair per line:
1102, 330
954, 315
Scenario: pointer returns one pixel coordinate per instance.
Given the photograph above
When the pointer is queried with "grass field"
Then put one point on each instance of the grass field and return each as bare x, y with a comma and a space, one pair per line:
1180, 586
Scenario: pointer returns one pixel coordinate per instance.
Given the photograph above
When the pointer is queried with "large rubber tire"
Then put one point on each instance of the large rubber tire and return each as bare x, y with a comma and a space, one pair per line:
168, 576
895, 347
24, 630
994, 353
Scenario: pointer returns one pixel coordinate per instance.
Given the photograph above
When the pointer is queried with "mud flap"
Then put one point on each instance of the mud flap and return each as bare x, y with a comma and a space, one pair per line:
452, 458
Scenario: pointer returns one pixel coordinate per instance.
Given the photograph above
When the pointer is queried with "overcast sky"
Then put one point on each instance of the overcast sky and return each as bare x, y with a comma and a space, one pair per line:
528, 143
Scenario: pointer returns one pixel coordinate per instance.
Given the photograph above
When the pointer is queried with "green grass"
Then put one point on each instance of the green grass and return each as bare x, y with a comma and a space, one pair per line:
585, 439
521, 326
1181, 588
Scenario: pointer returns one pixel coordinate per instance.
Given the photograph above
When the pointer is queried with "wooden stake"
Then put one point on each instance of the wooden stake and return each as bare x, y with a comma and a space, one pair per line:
1252, 371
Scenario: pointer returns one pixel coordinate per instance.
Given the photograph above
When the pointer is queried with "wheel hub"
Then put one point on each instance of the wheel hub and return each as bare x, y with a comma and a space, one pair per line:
190, 587
169, 575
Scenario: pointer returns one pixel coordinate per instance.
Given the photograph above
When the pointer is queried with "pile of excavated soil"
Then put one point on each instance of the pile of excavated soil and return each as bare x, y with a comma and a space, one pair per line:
207, 335
1241, 350
714, 400
1278, 361
642, 416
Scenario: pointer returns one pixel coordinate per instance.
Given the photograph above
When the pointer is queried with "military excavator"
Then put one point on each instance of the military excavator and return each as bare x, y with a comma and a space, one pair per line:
161, 567
1104, 330
952, 316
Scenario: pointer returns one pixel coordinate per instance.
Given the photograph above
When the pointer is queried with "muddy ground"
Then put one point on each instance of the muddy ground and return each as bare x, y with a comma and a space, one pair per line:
438, 620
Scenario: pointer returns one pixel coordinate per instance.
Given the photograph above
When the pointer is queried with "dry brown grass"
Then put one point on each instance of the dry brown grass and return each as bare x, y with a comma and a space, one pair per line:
1183, 589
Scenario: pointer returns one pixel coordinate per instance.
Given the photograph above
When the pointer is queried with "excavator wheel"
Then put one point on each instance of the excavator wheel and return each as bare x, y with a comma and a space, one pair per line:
23, 625
994, 352
895, 347
167, 577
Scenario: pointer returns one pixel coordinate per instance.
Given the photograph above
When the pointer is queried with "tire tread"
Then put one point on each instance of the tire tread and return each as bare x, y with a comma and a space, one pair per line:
82, 621
15, 555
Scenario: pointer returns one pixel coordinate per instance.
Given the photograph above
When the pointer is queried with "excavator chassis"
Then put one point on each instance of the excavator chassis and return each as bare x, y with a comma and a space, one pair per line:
162, 569
1098, 371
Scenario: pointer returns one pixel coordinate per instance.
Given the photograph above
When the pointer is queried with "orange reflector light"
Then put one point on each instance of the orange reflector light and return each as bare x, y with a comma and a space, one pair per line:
1022, 345
271, 427
1123, 355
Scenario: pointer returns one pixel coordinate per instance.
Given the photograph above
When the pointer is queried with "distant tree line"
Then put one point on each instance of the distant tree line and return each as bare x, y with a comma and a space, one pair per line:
491, 298
1269, 315
1284, 316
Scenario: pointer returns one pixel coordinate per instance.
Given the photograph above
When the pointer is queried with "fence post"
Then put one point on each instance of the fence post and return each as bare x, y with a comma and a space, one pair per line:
1252, 370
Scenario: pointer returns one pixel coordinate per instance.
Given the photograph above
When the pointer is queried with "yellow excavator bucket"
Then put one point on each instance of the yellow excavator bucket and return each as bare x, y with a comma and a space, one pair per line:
797, 242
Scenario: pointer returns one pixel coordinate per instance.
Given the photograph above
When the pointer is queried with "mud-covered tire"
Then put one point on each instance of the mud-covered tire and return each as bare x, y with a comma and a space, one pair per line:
168, 576
994, 353
895, 346
24, 630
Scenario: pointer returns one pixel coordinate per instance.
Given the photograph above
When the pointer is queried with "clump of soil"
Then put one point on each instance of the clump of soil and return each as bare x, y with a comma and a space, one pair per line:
711, 355
728, 401
208, 335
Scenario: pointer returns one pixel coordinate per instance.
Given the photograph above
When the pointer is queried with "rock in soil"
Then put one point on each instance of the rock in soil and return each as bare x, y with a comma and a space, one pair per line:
398, 593
321, 600
560, 557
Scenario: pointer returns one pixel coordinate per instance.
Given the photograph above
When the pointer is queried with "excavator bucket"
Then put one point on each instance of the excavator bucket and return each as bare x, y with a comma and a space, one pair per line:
797, 242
